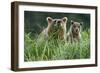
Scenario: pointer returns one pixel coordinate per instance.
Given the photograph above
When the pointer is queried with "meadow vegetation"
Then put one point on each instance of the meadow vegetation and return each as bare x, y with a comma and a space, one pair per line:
38, 49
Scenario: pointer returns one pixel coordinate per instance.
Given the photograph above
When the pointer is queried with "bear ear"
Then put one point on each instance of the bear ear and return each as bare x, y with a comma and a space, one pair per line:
72, 22
65, 19
81, 23
49, 19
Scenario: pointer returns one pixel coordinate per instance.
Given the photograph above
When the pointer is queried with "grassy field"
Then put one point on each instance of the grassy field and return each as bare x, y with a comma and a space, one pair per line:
39, 50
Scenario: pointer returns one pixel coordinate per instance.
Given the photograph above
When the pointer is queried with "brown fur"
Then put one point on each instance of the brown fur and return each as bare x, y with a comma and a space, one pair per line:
74, 34
56, 28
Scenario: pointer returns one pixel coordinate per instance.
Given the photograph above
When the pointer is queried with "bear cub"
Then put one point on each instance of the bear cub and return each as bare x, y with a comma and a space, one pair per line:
74, 34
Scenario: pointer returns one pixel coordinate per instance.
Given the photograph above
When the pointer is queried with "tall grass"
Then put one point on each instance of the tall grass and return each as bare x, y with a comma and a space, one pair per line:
40, 49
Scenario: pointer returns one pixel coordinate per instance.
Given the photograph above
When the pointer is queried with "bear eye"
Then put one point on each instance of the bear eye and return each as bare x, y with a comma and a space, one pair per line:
74, 26
78, 26
59, 22
54, 21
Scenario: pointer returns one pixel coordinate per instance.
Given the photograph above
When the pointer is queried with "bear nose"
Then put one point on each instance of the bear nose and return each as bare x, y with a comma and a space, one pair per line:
76, 30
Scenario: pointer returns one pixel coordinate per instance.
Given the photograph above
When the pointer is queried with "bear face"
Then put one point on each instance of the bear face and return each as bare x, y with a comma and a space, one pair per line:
56, 27
74, 34
76, 27
56, 24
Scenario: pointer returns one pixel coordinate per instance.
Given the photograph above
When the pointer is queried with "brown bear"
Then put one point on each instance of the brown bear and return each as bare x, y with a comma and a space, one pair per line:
56, 28
74, 34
